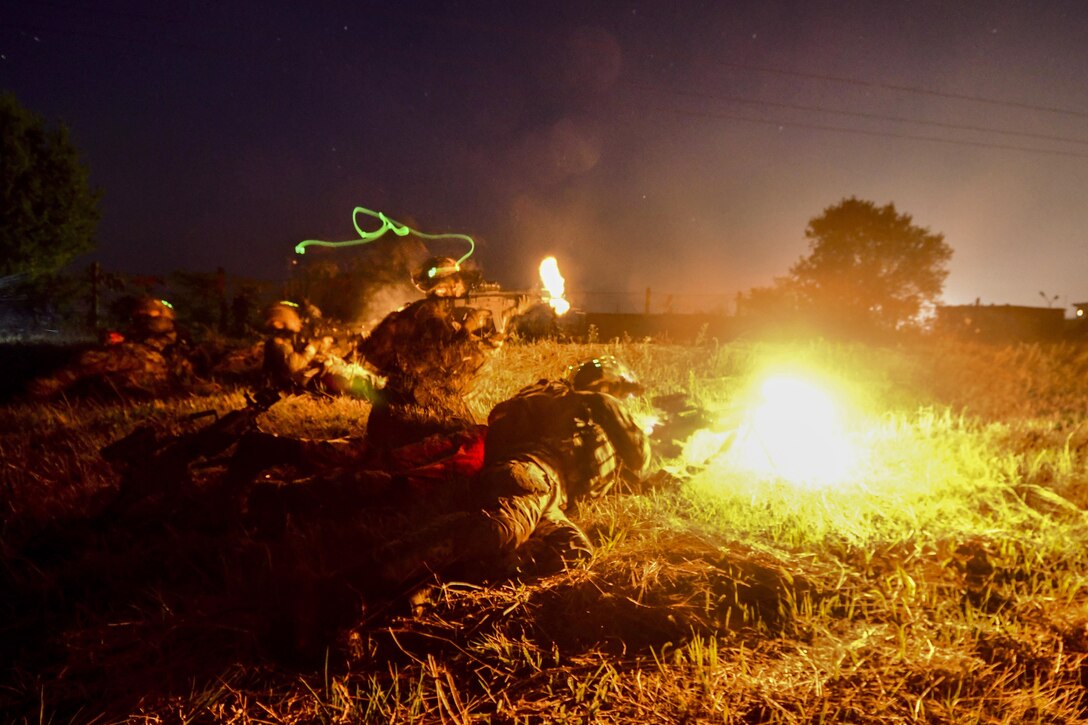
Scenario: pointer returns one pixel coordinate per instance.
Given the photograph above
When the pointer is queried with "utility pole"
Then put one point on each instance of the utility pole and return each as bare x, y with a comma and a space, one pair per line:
96, 280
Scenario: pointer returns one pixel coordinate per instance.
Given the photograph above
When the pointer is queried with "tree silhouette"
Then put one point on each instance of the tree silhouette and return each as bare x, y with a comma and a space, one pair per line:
48, 213
870, 266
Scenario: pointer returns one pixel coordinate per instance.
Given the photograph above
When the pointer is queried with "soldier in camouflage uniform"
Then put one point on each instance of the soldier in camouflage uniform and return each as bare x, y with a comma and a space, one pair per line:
431, 351
295, 362
553, 443
426, 354
147, 361
288, 359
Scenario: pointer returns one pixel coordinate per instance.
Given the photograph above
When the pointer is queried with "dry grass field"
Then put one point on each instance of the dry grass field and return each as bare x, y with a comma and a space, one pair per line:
924, 561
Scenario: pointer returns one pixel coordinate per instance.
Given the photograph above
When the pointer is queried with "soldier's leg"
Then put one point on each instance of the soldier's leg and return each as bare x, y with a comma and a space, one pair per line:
478, 544
258, 451
556, 543
84, 367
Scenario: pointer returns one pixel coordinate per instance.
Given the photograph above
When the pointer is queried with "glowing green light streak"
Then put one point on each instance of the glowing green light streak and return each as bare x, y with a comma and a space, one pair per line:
388, 225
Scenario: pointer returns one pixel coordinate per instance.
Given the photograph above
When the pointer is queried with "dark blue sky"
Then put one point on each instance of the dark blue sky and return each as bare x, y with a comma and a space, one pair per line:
681, 146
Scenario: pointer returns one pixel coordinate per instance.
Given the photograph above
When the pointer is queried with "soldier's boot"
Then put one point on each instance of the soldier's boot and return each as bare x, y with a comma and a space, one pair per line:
555, 544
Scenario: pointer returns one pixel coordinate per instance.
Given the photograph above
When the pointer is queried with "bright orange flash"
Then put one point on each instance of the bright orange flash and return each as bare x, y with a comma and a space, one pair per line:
795, 434
554, 285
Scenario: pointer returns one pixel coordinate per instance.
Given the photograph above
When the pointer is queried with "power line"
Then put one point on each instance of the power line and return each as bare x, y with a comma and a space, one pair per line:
757, 102
858, 114
907, 89
863, 132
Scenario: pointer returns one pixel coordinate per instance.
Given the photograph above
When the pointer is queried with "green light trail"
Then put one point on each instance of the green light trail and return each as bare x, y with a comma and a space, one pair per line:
388, 225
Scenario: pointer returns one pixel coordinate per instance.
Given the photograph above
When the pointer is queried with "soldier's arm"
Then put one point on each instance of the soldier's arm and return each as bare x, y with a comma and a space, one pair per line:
293, 360
631, 443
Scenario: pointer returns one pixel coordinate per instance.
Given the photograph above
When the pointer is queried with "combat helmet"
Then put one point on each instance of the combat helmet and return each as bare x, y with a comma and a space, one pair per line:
439, 277
282, 316
151, 316
604, 374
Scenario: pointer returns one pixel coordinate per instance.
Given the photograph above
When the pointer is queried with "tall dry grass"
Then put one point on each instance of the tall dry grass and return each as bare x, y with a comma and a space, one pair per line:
943, 580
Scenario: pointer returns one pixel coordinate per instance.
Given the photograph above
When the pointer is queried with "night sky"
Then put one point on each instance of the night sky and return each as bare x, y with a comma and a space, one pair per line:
676, 145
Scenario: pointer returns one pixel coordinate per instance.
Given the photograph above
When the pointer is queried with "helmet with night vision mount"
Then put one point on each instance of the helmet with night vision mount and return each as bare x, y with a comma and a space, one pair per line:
282, 316
604, 374
440, 277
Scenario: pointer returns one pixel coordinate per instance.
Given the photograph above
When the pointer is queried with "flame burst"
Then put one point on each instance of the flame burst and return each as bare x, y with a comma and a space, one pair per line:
795, 434
554, 285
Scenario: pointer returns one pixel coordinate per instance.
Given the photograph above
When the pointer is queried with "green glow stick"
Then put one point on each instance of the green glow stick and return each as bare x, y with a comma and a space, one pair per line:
388, 225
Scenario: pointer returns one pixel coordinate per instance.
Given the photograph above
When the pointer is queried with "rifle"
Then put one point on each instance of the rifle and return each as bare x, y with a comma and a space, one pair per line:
504, 305
152, 463
680, 419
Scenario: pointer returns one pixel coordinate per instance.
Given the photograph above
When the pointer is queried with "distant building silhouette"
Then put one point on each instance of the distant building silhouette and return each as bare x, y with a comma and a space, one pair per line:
1001, 323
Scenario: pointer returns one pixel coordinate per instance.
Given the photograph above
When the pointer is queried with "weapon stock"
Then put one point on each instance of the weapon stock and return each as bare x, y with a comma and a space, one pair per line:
152, 463
681, 418
503, 305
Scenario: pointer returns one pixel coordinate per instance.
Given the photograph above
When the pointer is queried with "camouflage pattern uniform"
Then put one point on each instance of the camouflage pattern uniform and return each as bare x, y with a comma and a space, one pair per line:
242, 364
285, 366
347, 474
296, 362
547, 447
149, 361
426, 355
430, 354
